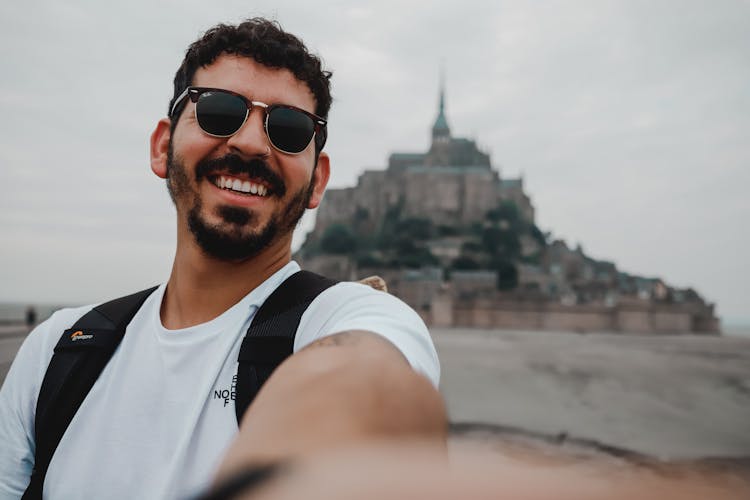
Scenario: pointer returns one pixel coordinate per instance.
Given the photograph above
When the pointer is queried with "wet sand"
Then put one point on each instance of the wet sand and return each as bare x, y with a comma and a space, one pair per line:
666, 416
11, 337
675, 397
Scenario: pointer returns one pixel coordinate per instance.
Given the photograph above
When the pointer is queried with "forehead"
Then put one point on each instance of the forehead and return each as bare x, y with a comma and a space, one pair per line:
255, 81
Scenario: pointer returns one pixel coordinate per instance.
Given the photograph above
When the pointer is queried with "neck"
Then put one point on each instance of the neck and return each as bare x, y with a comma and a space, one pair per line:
201, 287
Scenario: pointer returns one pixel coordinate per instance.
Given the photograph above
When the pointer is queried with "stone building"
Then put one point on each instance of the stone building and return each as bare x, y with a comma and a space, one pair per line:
452, 183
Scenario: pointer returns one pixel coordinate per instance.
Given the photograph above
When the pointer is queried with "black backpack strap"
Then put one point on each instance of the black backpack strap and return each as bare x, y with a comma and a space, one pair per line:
270, 338
80, 356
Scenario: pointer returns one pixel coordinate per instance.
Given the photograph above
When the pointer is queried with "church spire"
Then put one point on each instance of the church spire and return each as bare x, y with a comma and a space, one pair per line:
440, 130
442, 90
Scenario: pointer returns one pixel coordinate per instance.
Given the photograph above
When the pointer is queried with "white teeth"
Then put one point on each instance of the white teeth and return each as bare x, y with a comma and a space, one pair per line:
243, 187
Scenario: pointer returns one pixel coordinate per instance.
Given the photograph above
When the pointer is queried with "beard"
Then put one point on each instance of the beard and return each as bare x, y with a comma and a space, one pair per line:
235, 238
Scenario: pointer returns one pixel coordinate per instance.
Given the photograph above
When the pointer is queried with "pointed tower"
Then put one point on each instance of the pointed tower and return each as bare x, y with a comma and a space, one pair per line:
440, 130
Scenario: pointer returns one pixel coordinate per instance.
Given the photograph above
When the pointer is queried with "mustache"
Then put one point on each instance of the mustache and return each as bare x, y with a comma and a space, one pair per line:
234, 165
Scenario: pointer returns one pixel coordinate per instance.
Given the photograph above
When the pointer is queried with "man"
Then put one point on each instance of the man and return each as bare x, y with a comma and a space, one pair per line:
241, 155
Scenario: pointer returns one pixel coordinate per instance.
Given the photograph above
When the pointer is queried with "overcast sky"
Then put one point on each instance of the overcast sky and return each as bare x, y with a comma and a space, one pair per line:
629, 120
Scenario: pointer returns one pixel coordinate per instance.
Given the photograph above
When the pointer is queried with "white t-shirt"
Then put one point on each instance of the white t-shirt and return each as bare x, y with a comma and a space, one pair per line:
160, 417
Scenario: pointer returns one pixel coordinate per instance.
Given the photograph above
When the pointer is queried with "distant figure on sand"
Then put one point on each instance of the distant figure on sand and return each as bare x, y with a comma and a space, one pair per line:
30, 317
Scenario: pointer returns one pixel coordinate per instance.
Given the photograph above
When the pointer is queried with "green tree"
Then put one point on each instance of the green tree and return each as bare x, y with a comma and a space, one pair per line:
464, 263
538, 235
499, 242
471, 247
507, 274
369, 260
507, 216
446, 230
338, 239
360, 221
388, 228
416, 227
420, 257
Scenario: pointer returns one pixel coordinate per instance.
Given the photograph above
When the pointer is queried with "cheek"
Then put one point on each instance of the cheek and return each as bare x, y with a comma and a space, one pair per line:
295, 169
193, 145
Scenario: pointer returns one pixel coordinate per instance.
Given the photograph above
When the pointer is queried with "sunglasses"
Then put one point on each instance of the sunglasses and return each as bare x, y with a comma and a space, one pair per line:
221, 113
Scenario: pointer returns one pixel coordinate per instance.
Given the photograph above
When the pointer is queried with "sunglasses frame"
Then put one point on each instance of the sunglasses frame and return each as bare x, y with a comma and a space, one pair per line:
194, 93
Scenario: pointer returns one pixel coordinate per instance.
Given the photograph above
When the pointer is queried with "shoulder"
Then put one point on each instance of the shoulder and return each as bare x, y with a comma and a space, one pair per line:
351, 306
49, 331
349, 301
36, 350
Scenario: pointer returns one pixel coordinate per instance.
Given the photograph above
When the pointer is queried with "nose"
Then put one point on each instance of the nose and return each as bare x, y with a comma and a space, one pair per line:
250, 140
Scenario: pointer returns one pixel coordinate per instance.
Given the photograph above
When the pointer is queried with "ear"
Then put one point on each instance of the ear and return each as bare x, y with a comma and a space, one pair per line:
160, 147
320, 179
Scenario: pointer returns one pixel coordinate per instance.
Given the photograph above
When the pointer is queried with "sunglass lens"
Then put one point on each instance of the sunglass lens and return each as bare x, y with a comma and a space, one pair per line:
219, 113
289, 130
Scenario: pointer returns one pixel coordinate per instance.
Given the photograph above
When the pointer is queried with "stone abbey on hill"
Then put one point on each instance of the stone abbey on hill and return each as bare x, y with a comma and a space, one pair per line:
459, 244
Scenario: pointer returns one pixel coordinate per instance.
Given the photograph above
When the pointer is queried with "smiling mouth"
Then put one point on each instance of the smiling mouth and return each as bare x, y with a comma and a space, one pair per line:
236, 185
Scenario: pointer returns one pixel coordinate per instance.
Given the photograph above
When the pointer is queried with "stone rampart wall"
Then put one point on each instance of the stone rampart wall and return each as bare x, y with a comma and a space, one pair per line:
647, 318
439, 306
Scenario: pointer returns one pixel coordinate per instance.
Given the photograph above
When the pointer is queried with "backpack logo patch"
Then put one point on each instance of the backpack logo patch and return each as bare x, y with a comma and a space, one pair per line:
79, 335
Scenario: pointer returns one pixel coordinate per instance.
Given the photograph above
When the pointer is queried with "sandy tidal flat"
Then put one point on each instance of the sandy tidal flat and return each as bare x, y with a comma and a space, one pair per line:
672, 397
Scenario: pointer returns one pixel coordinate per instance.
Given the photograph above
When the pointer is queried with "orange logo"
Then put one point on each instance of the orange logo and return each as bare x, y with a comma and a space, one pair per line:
79, 335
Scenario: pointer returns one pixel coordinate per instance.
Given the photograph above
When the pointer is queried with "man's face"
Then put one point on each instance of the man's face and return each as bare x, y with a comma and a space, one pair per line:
208, 176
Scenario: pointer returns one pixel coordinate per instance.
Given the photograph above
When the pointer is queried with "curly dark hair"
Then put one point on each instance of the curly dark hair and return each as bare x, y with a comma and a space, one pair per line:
265, 42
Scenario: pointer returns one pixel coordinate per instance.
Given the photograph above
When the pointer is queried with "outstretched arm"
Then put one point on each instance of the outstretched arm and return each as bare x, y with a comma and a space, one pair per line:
346, 388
